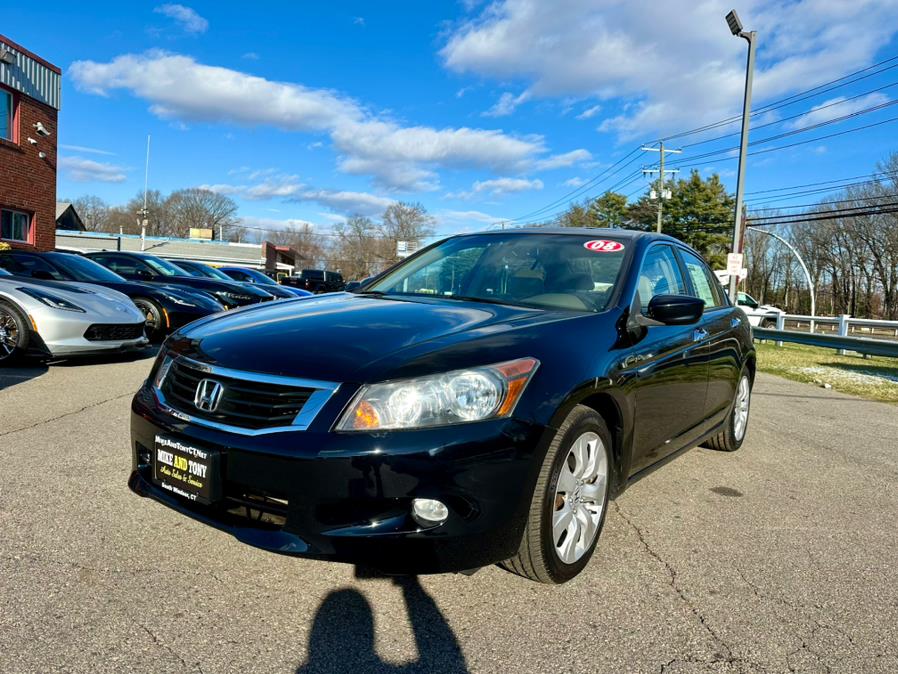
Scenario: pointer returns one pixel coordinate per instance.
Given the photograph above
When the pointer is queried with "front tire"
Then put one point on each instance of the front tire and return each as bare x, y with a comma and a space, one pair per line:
733, 434
14, 333
569, 503
155, 325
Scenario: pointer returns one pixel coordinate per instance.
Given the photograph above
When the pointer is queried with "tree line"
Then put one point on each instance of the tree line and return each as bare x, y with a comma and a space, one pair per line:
852, 257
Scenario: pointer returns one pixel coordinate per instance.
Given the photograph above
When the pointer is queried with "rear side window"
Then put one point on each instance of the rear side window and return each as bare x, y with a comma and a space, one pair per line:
660, 275
704, 283
119, 263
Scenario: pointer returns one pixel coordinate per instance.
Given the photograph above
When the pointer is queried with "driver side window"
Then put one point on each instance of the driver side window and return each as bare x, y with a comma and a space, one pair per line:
660, 275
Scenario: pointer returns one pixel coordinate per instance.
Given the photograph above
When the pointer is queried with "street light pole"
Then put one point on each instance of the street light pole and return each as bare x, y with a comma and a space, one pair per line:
736, 28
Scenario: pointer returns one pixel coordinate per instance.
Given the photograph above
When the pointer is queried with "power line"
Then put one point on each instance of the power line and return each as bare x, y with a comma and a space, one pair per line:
794, 98
826, 203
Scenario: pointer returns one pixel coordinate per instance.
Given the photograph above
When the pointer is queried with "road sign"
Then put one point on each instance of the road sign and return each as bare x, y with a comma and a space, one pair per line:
734, 263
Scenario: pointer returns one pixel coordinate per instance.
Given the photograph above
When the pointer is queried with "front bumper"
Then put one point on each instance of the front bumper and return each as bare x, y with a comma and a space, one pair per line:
61, 335
347, 497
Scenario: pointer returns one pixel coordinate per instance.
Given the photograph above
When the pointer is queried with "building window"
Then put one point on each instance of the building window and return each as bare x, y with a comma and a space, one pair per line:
15, 225
6, 115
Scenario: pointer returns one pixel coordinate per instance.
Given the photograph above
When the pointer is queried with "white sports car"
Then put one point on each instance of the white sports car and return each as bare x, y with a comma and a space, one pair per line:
65, 319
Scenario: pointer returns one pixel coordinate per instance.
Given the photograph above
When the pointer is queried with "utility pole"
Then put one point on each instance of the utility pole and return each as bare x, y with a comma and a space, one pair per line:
663, 193
736, 29
144, 212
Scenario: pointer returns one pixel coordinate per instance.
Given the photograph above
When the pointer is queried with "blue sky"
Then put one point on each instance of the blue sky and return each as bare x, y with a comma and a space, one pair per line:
308, 111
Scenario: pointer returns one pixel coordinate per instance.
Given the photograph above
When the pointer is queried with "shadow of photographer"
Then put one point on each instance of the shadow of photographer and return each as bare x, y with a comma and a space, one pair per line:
342, 638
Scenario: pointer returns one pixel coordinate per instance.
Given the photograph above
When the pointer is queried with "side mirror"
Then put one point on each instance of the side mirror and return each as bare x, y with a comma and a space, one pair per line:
676, 309
42, 275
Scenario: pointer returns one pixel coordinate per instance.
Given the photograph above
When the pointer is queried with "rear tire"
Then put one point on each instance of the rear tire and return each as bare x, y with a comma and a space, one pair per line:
155, 326
569, 503
733, 434
14, 333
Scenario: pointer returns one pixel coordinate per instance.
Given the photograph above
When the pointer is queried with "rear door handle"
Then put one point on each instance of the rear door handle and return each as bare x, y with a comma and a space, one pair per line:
699, 334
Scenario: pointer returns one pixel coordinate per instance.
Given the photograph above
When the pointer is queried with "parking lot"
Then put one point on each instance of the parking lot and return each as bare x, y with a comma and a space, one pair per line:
781, 557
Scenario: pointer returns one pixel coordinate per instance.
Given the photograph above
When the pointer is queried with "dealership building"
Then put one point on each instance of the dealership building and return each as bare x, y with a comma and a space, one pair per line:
29, 105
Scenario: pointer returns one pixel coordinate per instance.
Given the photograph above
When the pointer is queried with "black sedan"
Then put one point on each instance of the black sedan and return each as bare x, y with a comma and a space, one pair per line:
166, 308
201, 270
478, 403
245, 275
152, 269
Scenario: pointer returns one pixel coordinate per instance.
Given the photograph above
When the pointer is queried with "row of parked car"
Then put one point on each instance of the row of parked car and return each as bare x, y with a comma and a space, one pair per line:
61, 304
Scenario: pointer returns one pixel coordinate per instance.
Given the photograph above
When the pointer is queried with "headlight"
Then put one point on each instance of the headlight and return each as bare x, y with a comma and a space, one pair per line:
50, 299
438, 400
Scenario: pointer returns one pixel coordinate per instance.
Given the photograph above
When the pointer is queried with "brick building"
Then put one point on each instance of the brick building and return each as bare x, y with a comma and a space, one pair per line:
29, 104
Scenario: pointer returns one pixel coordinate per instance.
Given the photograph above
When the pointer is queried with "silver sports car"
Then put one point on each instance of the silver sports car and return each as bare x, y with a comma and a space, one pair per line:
65, 319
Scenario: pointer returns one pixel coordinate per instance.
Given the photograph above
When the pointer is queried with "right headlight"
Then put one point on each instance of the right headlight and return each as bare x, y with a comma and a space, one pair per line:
455, 397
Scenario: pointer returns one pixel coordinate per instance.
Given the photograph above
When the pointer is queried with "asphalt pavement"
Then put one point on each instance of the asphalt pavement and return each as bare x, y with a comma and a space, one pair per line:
780, 557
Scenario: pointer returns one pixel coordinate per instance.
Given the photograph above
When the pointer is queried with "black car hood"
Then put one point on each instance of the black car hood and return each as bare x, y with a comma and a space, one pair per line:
339, 337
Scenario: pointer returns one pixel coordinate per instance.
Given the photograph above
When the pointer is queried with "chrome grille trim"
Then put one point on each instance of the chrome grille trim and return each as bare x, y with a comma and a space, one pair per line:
323, 391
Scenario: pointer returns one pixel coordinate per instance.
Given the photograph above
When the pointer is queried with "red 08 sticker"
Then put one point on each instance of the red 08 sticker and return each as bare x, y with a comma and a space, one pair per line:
603, 246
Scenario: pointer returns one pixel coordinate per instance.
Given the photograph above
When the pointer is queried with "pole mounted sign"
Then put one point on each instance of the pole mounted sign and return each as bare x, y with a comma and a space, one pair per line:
734, 264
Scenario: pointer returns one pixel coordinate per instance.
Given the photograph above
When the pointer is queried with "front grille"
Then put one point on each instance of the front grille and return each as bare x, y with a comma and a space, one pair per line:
113, 332
243, 403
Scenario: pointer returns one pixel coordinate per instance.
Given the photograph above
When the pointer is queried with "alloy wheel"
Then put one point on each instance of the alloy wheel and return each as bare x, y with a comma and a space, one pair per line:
580, 498
740, 409
152, 319
9, 334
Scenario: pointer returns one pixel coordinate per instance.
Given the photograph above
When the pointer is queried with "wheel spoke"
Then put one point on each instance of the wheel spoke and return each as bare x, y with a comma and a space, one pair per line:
566, 480
588, 525
595, 492
560, 521
568, 549
581, 457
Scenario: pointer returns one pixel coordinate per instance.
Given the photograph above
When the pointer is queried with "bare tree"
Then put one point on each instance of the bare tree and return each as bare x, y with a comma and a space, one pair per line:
93, 211
303, 239
195, 207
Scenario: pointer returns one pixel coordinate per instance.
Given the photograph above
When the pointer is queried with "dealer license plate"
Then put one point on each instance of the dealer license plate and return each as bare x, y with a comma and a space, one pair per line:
186, 470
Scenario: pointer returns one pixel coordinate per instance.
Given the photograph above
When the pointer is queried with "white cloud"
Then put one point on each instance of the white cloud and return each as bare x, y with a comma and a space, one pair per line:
251, 56
86, 150
499, 186
84, 170
465, 221
186, 17
273, 223
349, 203
359, 21
397, 156
682, 67
589, 113
506, 104
836, 107
576, 181
563, 160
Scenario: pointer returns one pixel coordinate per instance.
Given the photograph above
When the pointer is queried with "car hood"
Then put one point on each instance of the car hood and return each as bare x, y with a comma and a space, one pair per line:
338, 336
99, 303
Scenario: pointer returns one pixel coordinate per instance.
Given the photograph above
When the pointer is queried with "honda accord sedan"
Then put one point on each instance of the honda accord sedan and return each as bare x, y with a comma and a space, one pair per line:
478, 403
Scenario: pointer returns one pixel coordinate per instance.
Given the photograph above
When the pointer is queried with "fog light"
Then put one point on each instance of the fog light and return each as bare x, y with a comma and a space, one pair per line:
428, 511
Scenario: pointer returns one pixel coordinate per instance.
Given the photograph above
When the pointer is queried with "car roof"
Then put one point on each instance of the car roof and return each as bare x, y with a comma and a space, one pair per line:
613, 232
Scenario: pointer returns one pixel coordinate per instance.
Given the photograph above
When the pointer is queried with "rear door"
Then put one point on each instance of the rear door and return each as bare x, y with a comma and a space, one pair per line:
719, 327
670, 368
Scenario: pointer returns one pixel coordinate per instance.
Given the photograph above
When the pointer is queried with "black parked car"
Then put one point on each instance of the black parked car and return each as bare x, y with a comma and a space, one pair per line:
166, 308
316, 281
478, 403
151, 269
245, 275
201, 270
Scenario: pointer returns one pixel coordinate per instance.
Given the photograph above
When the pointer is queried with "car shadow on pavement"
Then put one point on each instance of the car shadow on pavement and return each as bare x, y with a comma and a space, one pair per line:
10, 376
102, 358
342, 637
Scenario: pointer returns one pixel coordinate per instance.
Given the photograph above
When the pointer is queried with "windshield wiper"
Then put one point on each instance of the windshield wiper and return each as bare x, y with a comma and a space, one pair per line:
482, 300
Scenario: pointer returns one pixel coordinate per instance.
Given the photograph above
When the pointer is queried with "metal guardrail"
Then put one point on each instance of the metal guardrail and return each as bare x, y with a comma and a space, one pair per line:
864, 345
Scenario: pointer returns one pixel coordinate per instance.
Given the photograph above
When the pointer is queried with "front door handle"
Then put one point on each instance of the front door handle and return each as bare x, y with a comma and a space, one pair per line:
699, 334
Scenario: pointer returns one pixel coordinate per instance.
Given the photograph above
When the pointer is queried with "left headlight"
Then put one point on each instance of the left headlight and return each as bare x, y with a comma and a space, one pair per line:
453, 397
50, 299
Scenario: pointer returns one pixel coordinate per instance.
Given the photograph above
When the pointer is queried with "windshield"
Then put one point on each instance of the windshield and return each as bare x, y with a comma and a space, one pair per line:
554, 271
164, 267
83, 269
202, 271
